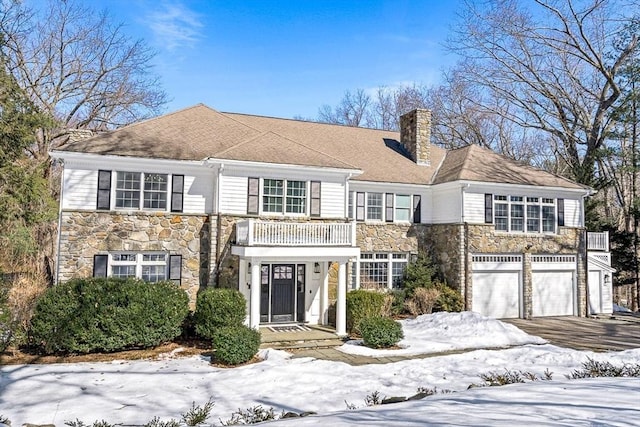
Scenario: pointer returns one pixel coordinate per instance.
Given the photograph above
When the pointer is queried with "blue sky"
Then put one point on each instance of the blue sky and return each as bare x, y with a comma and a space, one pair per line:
286, 58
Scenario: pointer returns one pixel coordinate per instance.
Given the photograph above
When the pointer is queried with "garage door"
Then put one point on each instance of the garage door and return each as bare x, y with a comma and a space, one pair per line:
496, 285
553, 283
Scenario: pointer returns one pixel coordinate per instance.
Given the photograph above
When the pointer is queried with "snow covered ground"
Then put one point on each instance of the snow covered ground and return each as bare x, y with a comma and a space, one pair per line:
133, 392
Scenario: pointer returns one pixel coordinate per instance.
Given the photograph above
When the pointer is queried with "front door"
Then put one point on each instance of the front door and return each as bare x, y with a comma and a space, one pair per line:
283, 292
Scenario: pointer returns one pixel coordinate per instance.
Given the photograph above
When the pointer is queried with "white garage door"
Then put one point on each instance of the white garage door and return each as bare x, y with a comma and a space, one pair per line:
497, 294
496, 284
553, 282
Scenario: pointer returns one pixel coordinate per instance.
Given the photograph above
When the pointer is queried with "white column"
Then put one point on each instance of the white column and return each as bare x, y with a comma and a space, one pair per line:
341, 303
324, 293
254, 306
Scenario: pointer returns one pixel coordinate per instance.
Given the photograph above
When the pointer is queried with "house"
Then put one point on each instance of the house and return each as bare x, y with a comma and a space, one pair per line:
273, 206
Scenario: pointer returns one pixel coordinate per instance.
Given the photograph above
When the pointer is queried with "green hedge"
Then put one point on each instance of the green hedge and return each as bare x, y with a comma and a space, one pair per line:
361, 304
380, 332
216, 308
106, 314
235, 344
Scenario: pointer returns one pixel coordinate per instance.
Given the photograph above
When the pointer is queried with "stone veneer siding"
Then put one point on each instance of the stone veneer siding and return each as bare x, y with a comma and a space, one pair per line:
85, 234
415, 135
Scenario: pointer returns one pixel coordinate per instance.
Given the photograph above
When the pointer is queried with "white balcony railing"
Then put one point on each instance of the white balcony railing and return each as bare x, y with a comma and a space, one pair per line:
598, 241
263, 233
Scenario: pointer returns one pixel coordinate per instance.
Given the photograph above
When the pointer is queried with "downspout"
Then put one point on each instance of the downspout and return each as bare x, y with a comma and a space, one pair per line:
58, 234
218, 223
465, 250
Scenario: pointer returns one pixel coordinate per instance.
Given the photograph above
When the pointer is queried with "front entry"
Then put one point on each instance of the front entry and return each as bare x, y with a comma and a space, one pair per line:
282, 286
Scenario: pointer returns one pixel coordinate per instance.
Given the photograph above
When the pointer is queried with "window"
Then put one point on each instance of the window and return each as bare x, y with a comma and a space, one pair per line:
130, 190
150, 267
374, 206
272, 195
282, 196
382, 270
403, 208
519, 214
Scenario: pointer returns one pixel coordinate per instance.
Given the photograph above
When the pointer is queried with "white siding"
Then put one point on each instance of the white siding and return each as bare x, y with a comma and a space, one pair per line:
198, 191
80, 189
332, 200
474, 208
233, 194
446, 206
572, 213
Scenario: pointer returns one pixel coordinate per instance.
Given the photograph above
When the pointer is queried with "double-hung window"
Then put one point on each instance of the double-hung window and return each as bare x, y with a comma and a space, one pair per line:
137, 190
374, 206
284, 196
403, 208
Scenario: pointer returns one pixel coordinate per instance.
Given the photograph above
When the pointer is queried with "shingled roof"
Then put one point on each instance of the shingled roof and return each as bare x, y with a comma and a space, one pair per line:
474, 163
200, 132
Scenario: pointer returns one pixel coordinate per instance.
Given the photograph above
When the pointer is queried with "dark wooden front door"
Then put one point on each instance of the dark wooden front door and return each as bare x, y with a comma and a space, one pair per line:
283, 292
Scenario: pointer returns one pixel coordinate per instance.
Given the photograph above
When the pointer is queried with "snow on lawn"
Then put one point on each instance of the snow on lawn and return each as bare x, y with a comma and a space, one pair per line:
438, 332
133, 392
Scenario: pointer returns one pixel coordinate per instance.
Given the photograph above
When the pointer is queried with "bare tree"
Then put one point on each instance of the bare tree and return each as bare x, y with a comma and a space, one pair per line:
351, 111
79, 67
555, 63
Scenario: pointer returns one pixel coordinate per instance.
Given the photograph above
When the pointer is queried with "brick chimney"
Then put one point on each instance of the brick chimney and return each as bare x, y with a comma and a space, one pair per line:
415, 135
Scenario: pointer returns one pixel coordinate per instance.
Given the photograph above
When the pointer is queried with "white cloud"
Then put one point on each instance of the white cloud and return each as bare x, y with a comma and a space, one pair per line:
175, 26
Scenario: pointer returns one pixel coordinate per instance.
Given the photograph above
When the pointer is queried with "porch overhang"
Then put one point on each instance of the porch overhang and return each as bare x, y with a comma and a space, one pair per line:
292, 253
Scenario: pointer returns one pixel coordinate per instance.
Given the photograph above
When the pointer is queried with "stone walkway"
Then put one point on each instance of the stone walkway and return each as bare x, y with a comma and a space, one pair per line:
595, 334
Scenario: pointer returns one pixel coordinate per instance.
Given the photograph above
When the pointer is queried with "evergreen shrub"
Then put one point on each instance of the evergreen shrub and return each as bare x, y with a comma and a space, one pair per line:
235, 344
361, 304
107, 314
380, 332
216, 308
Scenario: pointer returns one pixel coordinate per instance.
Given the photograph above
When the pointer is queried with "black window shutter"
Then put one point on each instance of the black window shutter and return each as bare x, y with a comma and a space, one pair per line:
175, 268
253, 196
360, 206
560, 212
104, 190
177, 193
389, 207
417, 209
315, 198
488, 208
100, 263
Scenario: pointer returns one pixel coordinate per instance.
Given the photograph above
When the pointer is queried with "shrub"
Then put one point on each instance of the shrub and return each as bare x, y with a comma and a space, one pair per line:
254, 415
380, 332
106, 314
448, 300
422, 301
418, 274
217, 308
361, 304
236, 344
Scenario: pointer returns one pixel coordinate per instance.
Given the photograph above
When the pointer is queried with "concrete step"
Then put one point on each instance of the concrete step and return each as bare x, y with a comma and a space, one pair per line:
303, 344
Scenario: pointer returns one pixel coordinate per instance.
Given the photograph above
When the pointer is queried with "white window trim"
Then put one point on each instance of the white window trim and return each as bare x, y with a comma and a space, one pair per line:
381, 257
307, 199
351, 207
114, 191
138, 262
542, 202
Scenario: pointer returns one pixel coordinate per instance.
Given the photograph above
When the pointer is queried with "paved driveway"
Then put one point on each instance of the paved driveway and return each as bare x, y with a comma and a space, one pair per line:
584, 333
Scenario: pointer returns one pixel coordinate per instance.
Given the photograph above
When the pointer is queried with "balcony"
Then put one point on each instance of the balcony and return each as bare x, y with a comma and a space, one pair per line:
277, 233
598, 241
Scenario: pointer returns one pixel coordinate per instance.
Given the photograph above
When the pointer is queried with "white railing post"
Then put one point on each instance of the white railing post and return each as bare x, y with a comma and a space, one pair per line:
353, 233
250, 232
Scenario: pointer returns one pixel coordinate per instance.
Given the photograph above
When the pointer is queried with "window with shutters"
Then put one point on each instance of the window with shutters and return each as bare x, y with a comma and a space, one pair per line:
148, 266
388, 207
141, 191
520, 214
288, 197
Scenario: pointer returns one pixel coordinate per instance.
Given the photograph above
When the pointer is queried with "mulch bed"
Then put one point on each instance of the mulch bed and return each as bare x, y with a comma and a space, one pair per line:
16, 356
